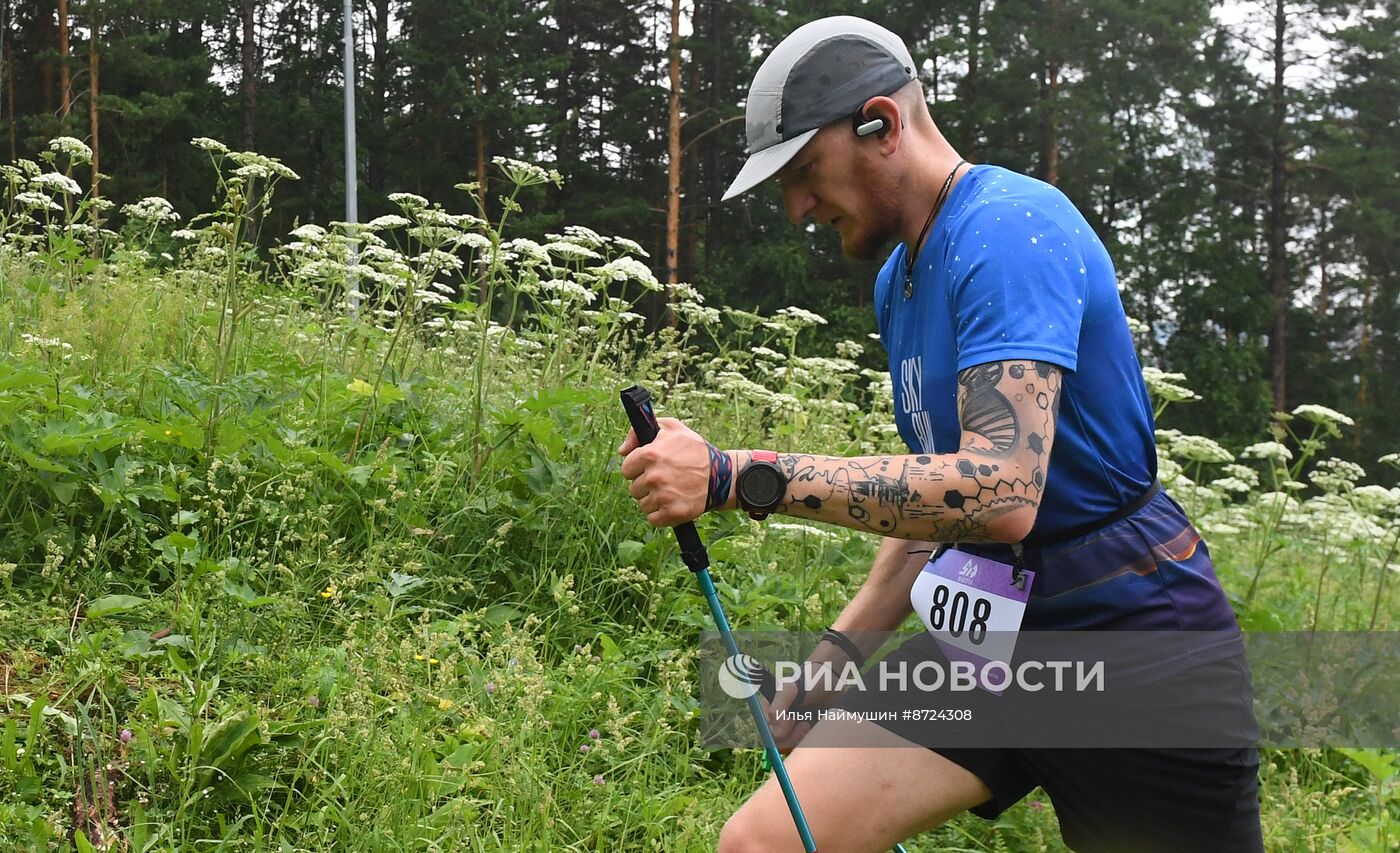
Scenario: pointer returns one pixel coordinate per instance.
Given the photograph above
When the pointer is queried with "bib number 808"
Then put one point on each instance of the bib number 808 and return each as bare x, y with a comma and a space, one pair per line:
955, 613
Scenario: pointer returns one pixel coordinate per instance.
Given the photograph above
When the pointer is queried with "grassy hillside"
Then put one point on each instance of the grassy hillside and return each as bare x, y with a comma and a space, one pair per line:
280, 575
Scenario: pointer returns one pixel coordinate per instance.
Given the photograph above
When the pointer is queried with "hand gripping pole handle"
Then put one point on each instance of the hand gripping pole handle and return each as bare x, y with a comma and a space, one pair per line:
636, 400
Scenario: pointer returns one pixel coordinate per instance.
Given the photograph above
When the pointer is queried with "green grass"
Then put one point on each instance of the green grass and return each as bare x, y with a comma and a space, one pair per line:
276, 579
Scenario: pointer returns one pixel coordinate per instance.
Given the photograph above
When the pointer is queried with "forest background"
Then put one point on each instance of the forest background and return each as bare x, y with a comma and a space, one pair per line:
1240, 160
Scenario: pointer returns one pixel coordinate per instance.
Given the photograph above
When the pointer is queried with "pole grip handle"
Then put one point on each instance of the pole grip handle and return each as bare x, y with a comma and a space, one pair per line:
636, 401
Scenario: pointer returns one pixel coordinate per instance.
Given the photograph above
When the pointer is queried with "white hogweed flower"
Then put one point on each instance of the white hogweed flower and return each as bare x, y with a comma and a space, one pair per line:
583, 235
1168, 386
44, 343
571, 251
439, 260
36, 201
152, 209
527, 174
475, 242
213, 146
1198, 448
1270, 450
260, 165
76, 149
528, 250
409, 201
1322, 415
696, 314
310, 232
55, 182
1231, 484
682, 292
630, 246
624, 269
387, 222
801, 317
849, 349
570, 289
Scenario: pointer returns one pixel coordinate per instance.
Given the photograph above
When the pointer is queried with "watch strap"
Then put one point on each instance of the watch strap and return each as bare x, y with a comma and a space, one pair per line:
768, 456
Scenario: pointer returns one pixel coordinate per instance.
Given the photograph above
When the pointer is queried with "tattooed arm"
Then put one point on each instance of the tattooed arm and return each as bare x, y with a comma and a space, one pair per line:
988, 491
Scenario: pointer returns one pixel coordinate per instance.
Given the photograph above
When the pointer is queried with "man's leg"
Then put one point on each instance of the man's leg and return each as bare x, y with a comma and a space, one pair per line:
867, 793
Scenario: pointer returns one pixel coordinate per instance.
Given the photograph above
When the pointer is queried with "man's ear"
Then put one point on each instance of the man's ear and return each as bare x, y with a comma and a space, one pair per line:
885, 110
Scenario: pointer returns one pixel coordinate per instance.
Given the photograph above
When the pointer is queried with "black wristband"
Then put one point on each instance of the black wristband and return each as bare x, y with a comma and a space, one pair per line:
842, 642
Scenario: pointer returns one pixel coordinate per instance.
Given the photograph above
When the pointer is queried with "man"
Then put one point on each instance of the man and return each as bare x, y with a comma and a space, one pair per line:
1031, 437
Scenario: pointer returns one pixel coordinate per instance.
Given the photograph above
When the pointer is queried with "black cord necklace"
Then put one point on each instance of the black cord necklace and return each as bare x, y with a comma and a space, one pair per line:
928, 223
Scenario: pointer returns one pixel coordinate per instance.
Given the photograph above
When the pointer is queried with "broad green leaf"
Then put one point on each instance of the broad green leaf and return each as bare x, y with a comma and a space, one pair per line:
628, 551
230, 739
399, 583
16, 380
184, 517
81, 843
610, 649
109, 605
245, 595
499, 614
389, 393
33, 460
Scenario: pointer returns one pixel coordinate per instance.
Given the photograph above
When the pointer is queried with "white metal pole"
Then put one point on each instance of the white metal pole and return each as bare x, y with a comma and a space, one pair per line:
351, 200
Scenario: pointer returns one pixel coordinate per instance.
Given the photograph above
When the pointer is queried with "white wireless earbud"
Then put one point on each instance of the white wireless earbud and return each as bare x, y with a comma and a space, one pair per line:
873, 126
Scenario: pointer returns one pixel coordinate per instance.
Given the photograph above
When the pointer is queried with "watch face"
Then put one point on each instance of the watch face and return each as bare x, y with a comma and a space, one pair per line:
763, 486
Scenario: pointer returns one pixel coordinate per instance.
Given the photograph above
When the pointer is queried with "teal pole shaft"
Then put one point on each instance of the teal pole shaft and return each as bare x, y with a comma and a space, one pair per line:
770, 747
637, 403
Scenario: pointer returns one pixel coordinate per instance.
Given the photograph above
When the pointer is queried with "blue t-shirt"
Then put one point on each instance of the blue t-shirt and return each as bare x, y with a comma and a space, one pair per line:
1010, 270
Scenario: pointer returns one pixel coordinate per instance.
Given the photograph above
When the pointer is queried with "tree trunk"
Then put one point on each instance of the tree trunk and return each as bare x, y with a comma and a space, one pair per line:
1278, 219
1363, 414
566, 107
1049, 91
479, 131
690, 159
673, 157
8, 47
46, 41
480, 140
974, 51
65, 80
716, 89
95, 23
374, 169
250, 76
1323, 296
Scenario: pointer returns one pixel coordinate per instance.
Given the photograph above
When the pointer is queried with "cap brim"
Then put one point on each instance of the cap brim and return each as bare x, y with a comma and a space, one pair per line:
764, 164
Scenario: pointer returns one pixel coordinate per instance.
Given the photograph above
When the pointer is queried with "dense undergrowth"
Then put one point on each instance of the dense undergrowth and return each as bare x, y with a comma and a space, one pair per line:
329, 549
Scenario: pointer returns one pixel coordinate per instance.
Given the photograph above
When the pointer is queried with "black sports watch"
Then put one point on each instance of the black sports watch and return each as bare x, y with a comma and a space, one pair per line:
761, 485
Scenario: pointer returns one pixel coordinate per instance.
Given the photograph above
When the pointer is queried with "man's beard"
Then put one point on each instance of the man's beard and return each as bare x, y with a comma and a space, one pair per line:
866, 244
880, 223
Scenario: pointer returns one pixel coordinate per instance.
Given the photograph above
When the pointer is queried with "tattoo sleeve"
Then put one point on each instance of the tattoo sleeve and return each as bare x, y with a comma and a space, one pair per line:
993, 484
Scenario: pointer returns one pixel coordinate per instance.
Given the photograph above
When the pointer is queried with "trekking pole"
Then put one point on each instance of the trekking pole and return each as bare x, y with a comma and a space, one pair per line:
637, 401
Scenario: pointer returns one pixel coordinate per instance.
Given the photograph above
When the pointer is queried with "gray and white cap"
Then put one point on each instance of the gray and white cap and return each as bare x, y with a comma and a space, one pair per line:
822, 72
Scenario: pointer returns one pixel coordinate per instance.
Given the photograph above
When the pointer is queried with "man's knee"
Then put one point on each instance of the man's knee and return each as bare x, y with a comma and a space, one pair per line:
749, 831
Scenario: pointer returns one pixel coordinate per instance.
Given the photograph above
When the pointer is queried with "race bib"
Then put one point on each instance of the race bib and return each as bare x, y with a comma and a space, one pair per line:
973, 607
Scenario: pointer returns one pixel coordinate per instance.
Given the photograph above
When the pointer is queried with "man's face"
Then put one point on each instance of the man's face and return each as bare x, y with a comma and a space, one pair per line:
837, 180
